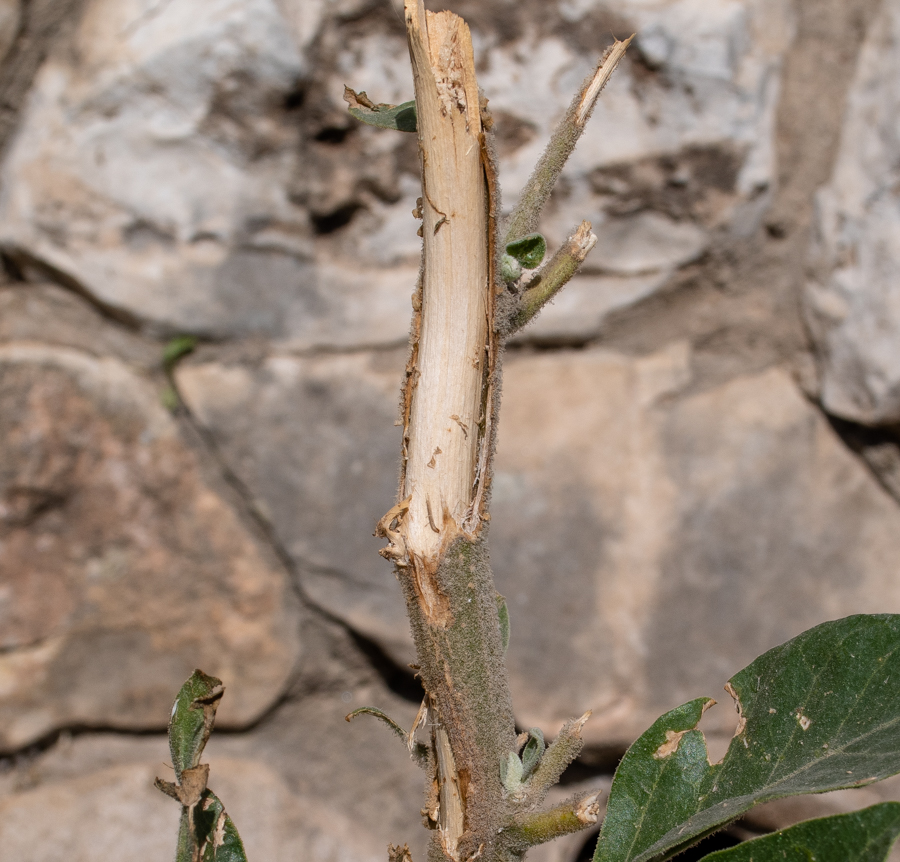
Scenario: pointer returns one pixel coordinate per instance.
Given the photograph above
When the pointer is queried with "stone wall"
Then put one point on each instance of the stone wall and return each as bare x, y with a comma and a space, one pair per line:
698, 453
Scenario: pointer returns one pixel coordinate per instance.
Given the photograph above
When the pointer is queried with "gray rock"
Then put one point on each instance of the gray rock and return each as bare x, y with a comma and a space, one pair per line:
853, 301
122, 567
152, 169
651, 543
158, 166
314, 441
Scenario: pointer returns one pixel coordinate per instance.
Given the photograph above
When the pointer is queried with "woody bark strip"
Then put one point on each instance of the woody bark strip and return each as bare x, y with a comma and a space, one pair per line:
437, 531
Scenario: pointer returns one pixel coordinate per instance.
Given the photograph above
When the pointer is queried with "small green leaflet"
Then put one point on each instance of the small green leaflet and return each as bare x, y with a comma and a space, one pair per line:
503, 614
528, 251
532, 752
401, 118
863, 836
821, 712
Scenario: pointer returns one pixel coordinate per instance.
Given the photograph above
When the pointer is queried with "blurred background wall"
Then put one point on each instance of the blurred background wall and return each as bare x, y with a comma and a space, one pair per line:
698, 453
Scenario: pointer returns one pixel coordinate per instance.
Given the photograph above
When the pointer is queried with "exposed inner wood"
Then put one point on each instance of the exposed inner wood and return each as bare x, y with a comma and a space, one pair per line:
451, 814
445, 413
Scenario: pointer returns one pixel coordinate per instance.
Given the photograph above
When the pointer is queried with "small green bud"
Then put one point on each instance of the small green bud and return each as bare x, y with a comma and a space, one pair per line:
510, 269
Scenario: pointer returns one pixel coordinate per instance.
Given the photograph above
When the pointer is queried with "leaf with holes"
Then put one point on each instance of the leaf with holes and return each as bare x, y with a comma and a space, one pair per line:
863, 836
207, 834
820, 712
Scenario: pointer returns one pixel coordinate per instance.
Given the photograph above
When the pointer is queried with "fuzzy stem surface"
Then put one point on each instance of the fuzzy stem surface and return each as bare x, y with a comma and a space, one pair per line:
524, 219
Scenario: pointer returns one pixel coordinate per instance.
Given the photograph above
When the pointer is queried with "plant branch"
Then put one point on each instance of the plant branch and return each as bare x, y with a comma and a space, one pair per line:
559, 754
449, 401
553, 276
524, 219
573, 815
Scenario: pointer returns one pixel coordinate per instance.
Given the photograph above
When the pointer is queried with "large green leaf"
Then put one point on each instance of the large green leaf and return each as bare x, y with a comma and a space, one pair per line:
207, 834
818, 713
863, 836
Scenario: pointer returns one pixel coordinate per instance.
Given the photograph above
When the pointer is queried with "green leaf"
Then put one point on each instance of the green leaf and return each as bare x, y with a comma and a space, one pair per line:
820, 712
533, 751
192, 720
178, 347
402, 118
863, 836
207, 834
528, 251
503, 613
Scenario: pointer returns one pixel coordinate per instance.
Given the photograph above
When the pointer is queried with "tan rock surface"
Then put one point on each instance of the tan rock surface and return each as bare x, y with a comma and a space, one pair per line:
652, 540
122, 568
314, 441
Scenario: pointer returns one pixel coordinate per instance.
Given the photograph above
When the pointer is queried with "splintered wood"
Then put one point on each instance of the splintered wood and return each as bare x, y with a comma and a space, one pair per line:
445, 404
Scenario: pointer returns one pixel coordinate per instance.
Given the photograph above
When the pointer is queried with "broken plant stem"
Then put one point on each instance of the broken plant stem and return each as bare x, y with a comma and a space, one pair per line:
573, 815
448, 404
553, 276
524, 219
437, 533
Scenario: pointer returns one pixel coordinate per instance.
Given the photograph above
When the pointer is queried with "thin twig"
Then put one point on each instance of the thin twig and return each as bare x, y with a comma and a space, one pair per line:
573, 815
553, 276
524, 219
561, 752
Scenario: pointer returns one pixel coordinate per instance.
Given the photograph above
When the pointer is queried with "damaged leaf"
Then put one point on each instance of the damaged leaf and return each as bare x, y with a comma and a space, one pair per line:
191, 721
207, 834
863, 836
820, 712
401, 118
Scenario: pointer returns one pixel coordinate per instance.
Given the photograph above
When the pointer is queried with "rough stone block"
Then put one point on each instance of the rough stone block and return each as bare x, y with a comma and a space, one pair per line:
853, 299
122, 567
